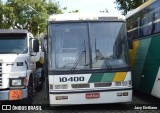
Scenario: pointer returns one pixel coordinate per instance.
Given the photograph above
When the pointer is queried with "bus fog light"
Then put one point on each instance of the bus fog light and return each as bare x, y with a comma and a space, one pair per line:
64, 97
124, 83
61, 97
118, 83
119, 94
125, 94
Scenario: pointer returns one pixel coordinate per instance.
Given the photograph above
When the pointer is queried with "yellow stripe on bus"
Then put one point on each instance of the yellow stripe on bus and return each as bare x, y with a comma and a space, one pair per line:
133, 52
119, 76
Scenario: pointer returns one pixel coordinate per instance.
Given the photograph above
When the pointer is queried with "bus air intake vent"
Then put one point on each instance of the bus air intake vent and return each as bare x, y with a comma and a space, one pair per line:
102, 84
80, 85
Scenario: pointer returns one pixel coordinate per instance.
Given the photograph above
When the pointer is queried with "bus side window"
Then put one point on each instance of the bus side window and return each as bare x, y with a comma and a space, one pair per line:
148, 22
157, 22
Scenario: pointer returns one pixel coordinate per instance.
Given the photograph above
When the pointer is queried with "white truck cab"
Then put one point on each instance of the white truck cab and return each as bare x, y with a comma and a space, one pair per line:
18, 57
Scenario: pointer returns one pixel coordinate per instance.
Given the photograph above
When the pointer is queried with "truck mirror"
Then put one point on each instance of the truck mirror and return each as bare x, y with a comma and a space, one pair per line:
35, 45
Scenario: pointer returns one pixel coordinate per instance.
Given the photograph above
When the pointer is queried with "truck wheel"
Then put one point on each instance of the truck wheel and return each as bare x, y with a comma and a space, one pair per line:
28, 100
40, 85
30, 89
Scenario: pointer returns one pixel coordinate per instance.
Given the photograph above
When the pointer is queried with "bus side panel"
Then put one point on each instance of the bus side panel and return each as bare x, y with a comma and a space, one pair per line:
146, 64
139, 60
155, 90
151, 65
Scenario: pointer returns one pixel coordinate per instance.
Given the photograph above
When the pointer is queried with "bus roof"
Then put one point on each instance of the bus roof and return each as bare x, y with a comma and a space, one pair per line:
141, 7
85, 16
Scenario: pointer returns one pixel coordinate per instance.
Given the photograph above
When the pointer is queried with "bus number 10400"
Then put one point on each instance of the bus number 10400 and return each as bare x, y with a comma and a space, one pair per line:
71, 79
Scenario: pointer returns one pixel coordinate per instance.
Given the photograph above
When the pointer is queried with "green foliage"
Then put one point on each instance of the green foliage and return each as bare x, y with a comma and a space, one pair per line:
53, 8
27, 14
74, 11
104, 11
127, 5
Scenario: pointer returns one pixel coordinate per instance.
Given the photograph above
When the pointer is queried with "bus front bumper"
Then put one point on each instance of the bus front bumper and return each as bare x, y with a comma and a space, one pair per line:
87, 97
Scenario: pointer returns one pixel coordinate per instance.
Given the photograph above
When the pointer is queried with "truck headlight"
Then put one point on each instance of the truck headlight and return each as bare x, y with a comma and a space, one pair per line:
16, 82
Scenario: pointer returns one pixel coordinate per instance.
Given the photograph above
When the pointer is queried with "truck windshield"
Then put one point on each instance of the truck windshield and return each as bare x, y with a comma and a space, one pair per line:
88, 45
13, 43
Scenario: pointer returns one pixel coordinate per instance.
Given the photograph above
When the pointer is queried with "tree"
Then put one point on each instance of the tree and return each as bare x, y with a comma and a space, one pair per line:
28, 14
5, 22
53, 8
74, 11
105, 11
1, 14
127, 5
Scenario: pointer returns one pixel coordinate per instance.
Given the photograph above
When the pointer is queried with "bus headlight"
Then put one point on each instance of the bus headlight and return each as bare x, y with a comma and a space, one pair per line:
118, 83
124, 83
62, 86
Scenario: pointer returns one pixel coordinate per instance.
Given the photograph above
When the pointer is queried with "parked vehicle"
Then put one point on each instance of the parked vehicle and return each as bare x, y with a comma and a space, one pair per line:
143, 25
87, 60
19, 52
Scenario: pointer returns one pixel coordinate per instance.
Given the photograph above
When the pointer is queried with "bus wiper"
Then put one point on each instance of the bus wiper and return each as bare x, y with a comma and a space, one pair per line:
78, 60
80, 57
99, 55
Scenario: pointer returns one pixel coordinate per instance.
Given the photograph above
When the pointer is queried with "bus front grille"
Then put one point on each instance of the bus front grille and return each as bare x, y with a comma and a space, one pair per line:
102, 84
80, 85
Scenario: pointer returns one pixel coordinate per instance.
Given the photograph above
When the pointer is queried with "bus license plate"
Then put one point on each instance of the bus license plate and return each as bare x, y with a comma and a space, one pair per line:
15, 94
92, 95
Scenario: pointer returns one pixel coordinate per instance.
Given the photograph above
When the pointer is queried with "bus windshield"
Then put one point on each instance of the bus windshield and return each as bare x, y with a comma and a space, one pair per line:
13, 43
88, 45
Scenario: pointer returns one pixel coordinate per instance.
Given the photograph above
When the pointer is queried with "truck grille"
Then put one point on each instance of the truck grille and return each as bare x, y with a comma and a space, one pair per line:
0, 73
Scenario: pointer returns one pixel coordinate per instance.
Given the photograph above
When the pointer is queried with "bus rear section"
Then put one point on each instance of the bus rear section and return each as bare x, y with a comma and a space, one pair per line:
88, 60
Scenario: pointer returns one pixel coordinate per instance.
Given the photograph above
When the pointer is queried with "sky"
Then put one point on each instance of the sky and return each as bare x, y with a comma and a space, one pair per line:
89, 5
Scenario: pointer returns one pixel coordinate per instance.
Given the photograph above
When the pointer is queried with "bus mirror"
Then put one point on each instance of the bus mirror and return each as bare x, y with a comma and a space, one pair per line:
35, 45
130, 44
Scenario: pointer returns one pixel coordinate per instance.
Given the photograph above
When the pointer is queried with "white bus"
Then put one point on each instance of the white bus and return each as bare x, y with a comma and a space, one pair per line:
88, 60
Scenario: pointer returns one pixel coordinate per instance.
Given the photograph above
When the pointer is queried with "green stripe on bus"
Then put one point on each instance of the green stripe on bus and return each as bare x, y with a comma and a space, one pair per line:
107, 77
139, 61
151, 65
101, 77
